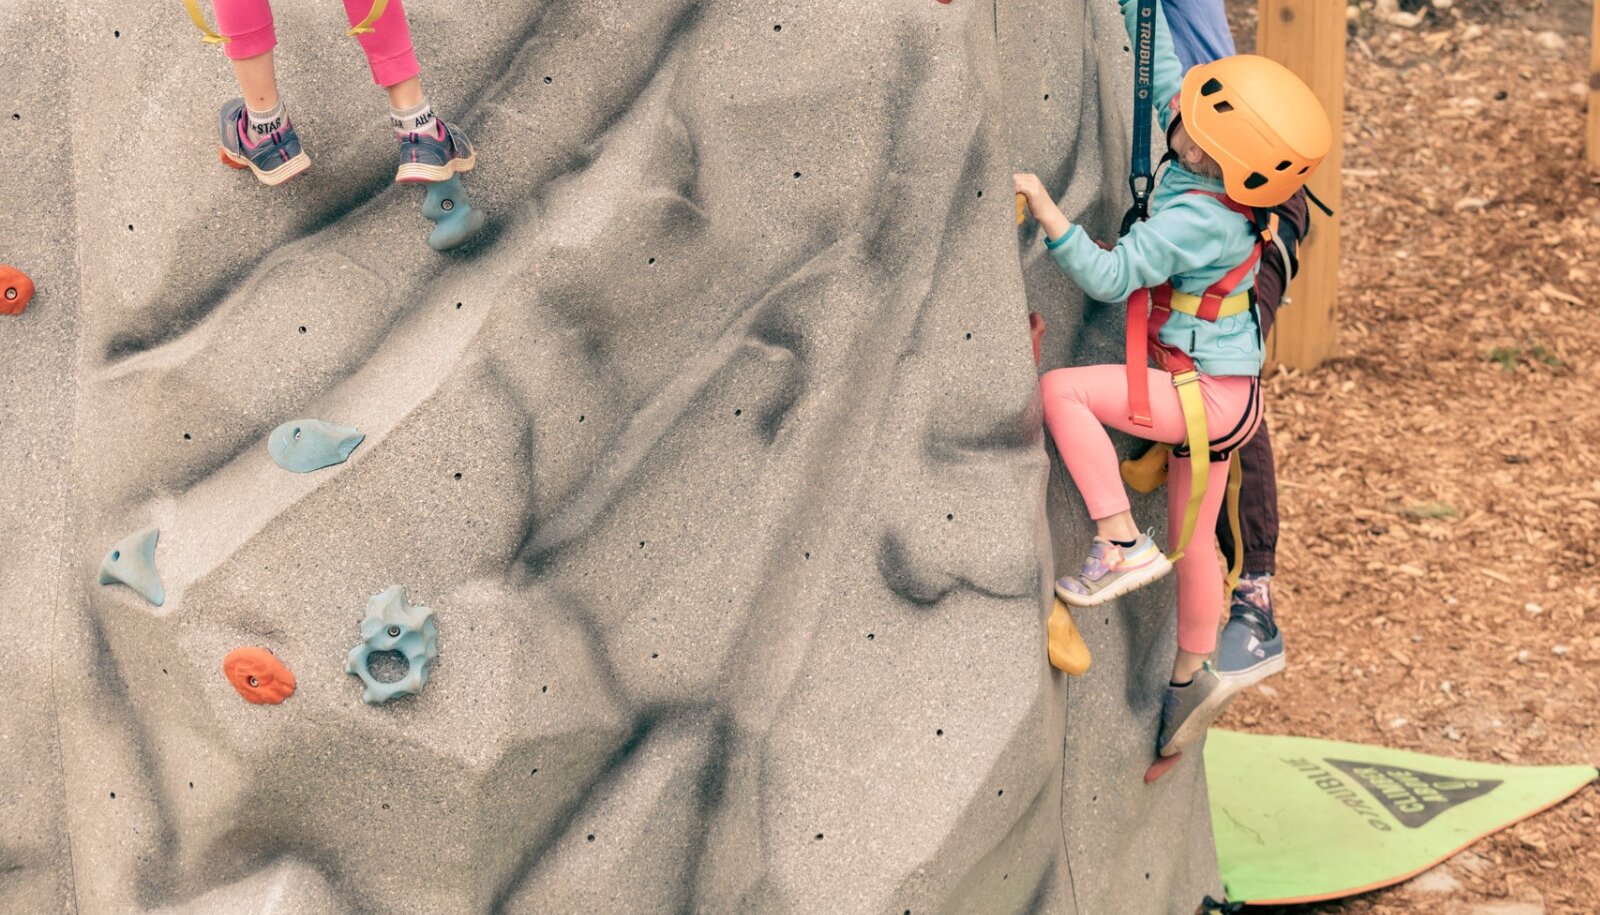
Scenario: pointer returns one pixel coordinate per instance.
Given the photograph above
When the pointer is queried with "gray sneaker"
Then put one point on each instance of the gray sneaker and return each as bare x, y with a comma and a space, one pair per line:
1250, 648
437, 152
1186, 711
273, 158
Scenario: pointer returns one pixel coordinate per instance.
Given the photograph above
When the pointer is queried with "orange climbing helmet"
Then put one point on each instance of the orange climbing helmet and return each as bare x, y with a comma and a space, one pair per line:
1262, 124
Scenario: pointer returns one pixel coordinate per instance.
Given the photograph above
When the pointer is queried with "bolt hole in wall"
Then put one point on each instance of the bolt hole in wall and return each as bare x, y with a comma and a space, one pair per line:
388, 666
302, 328
458, 306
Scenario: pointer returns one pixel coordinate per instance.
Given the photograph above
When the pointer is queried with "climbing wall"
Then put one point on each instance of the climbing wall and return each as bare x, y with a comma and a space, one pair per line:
716, 458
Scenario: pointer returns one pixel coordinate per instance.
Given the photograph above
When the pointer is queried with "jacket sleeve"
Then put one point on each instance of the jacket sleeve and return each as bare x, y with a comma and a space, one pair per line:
1179, 238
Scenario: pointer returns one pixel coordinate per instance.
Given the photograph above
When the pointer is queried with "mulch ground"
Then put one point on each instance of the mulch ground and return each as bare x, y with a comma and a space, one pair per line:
1439, 570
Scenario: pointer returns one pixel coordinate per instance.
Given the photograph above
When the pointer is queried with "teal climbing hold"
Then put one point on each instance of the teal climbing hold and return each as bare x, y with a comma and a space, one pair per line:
392, 624
132, 562
455, 221
305, 445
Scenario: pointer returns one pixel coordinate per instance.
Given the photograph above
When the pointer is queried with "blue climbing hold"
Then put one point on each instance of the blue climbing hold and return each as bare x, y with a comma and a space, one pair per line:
392, 624
132, 562
305, 445
455, 221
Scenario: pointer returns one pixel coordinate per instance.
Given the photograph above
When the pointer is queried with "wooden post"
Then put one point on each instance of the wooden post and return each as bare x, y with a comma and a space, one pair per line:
1594, 92
1308, 37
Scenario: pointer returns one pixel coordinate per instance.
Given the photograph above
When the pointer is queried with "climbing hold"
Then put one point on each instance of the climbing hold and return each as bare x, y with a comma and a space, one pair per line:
392, 624
132, 562
1022, 208
1148, 471
1068, 652
258, 676
305, 445
1036, 331
1161, 767
15, 290
455, 220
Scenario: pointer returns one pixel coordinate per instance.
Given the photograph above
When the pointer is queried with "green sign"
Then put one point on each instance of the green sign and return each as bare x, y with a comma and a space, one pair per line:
1298, 820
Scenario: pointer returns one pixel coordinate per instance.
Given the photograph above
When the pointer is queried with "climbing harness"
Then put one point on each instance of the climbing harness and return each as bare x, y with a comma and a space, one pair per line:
210, 36
1141, 178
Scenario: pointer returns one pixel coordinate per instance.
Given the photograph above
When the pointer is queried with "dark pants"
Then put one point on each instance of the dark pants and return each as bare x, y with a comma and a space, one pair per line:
1258, 497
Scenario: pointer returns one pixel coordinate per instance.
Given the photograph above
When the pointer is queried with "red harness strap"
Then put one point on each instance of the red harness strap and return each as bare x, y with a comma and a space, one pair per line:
1148, 310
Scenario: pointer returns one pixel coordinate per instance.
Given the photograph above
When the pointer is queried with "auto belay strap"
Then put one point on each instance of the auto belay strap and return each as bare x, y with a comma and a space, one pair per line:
199, 18
1141, 178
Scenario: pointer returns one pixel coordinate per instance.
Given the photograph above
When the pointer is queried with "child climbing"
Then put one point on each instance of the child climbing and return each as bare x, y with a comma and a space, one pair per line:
1244, 133
256, 132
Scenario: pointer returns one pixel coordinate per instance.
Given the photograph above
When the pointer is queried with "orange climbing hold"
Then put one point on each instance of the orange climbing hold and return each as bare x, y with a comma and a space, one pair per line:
258, 676
15, 290
1068, 652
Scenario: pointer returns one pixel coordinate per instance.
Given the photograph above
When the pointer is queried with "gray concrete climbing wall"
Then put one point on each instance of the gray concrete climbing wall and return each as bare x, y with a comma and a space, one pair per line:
717, 457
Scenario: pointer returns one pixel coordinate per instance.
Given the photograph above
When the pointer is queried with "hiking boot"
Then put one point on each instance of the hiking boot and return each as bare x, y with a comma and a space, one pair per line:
437, 152
1187, 711
1250, 648
274, 159
1111, 571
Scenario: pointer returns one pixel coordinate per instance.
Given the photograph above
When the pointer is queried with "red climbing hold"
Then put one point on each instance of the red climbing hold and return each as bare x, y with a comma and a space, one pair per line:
15, 290
1036, 329
1161, 767
258, 676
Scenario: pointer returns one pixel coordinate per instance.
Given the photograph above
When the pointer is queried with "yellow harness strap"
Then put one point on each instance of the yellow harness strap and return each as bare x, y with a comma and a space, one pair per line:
1185, 303
210, 37
1199, 441
364, 27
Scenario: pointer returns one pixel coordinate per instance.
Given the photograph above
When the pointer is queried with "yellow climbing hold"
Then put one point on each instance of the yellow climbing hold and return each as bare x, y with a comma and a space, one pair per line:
210, 37
364, 27
1068, 653
1147, 472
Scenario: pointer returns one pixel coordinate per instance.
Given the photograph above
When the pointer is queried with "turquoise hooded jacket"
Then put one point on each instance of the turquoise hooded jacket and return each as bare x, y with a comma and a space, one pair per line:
1192, 240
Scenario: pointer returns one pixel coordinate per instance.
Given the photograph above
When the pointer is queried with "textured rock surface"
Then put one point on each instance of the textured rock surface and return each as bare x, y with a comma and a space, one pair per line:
718, 459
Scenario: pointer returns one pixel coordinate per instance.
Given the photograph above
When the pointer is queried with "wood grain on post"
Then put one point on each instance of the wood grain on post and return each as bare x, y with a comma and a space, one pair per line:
1308, 37
1593, 145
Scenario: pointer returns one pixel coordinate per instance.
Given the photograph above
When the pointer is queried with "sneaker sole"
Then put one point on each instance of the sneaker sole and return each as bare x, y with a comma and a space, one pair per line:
1195, 726
1133, 581
1255, 673
417, 173
277, 176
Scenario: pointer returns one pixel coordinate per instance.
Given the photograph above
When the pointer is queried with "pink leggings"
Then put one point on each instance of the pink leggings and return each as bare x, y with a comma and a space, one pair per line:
248, 26
1080, 402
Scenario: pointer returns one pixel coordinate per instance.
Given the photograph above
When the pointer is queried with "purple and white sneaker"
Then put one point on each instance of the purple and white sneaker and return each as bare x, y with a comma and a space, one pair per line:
437, 152
1111, 571
274, 158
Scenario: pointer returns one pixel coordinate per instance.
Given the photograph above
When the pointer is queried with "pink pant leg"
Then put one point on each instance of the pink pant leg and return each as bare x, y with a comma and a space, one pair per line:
247, 24
1079, 403
389, 50
1199, 572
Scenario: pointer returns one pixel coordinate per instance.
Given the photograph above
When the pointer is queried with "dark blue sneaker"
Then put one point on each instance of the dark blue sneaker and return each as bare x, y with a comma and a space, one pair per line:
438, 152
274, 160
1250, 648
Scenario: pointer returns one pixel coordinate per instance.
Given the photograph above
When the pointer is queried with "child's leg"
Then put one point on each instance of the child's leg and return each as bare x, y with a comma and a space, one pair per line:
1199, 575
254, 131
389, 51
248, 26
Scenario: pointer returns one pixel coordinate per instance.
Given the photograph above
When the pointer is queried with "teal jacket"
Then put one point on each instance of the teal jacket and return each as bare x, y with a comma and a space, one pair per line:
1190, 239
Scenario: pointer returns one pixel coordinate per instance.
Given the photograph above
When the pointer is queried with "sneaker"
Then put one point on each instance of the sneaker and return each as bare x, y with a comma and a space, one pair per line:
274, 160
1250, 648
436, 153
1111, 571
1187, 711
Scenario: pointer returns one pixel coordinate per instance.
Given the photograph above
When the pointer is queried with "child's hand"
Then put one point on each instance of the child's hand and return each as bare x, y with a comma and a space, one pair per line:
1051, 219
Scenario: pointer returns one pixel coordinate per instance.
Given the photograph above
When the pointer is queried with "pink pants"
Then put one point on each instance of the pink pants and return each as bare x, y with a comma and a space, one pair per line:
1080, 402
248, 26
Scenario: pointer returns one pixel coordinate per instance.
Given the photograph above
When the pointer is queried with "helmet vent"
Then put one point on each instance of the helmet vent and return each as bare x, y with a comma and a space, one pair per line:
1223, 107
1306, 169
1211, 87
1255, 180
1284, 165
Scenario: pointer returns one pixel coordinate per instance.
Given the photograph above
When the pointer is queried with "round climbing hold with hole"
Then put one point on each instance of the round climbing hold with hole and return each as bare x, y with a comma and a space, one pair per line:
304, 445
16, 288
258, 675
393, 624
455, 221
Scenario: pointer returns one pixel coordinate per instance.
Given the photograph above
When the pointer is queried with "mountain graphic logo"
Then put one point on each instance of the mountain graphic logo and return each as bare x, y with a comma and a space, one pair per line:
1412, 796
